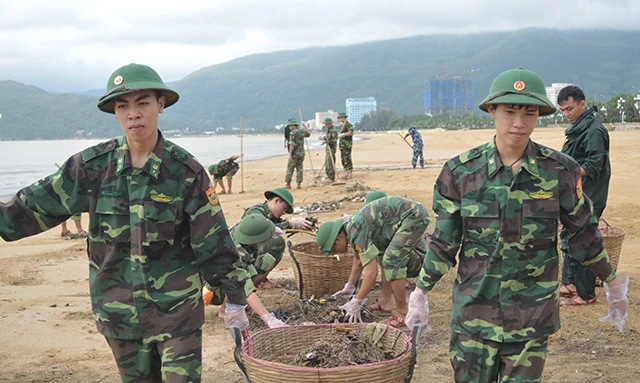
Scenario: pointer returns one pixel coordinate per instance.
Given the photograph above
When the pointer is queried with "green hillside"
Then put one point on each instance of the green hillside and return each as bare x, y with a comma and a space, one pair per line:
267, 89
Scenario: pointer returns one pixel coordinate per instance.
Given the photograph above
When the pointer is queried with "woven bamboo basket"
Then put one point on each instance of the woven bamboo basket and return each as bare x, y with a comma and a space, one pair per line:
317, 274
612, 238
265, 357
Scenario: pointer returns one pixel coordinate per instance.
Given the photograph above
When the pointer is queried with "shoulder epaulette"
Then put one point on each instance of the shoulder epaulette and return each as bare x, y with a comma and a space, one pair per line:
465, 157
181, 155
557, 156
98, 150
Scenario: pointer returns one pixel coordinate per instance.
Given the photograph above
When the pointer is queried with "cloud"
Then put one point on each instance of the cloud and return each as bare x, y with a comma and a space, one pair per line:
74, 45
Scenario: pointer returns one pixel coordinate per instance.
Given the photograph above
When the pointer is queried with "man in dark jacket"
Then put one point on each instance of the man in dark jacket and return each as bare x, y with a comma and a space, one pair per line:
587, 142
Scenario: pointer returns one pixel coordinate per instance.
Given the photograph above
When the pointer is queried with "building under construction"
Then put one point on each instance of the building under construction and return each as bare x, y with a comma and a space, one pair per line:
451, 97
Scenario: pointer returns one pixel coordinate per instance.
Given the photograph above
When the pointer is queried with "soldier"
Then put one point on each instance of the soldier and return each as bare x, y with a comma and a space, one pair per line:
278, 201
588, 143
498, 207
373, 195
225, 168
248, 235
296, 153
346, 145
155, 229
416, 137
330, 138
388, 231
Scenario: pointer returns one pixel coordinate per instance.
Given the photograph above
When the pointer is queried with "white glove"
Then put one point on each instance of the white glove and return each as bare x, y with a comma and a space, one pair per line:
348, 289
236, 316
300, 223
277, 232
418, 313
340, 135
618, 301
353, 310
271, 321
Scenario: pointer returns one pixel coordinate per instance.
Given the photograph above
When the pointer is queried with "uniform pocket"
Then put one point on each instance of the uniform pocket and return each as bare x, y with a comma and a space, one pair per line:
159, 222
480, 219
540, 222
114, 223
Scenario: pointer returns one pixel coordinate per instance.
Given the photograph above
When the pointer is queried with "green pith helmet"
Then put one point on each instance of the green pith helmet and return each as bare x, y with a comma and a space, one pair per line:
212, 169
328, 121
292, 121
373, 195
253, 229
342, 115
327, 234
519, 86
134, 78
284, 195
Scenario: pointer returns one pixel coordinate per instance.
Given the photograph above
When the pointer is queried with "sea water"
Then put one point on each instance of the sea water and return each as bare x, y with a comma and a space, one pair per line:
24, 162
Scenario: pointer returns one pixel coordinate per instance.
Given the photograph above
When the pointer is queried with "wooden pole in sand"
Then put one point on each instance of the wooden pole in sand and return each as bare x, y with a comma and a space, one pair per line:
241, 154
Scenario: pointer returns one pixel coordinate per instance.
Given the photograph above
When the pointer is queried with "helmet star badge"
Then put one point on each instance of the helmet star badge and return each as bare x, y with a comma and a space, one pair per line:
117, 80
518, 85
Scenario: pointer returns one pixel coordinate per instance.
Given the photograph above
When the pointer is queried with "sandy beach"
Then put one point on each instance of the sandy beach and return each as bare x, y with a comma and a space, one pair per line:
49, 334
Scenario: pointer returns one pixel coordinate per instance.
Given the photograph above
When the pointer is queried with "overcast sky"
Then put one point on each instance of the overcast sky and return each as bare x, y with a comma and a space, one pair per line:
74, 45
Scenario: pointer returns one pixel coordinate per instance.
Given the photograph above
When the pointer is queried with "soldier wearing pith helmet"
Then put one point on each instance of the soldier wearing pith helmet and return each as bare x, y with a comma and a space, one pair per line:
156, 229
498, 206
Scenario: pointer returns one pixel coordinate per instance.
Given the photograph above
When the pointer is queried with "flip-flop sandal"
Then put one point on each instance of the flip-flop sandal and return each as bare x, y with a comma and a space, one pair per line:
577, 301
376, 306
566, 292
395, 322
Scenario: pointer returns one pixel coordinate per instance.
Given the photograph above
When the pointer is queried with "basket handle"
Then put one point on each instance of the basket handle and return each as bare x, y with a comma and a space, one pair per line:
414, 352
237, 336
295, 262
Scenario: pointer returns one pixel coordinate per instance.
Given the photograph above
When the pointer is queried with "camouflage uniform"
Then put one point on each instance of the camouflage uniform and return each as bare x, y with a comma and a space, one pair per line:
273, 247
254, 261
331, 140
226, 168
346, 145
296, 139
153, 234
506, 290
417, 147
390, 230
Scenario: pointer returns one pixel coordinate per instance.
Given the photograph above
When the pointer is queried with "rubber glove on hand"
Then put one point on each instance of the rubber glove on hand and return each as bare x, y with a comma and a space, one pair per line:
271, 321
353, 310
236, 316
341, 135
348, 289
300, 223
618, 301
277, 232
418, 313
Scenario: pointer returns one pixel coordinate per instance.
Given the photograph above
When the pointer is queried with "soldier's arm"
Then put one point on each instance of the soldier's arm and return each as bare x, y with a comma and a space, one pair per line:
585, 240
47, 202
596, 153
213, 248
445, 241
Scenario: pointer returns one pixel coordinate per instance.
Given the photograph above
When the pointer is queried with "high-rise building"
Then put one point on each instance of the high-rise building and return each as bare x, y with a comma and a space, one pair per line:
320, 116
453, 97
553, 90
356, 108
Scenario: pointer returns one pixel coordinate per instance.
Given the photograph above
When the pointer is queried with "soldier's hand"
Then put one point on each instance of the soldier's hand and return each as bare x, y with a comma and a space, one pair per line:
236, 316
418, 313
348, 289
618, 301
278, 232
353, 310
300, 223
271, 321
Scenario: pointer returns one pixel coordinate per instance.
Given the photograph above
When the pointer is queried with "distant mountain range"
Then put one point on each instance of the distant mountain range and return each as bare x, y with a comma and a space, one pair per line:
267, 89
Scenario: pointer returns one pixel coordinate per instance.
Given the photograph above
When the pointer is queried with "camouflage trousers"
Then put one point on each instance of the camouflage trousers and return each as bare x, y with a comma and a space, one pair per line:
269, 254
296, 163
477, 360
329, 162
417, 154
232, 172
176, 360
345, 156
76, 217
405, 254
